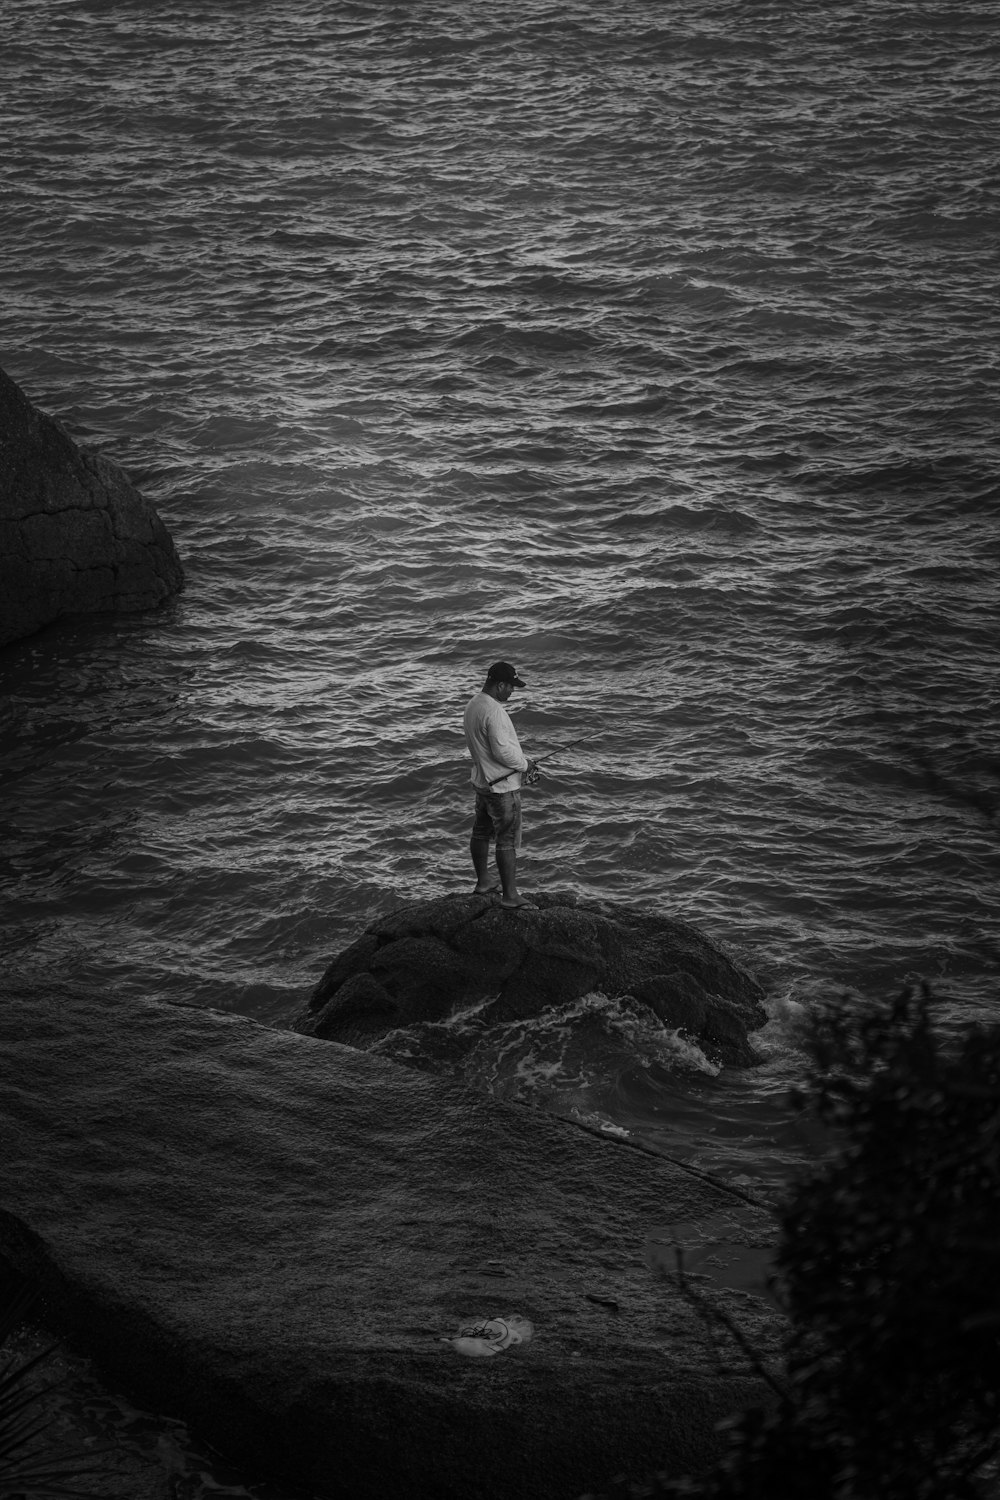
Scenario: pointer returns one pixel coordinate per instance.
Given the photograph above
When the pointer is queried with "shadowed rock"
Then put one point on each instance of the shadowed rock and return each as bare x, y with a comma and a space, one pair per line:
76, 537
430, 958
270, 1236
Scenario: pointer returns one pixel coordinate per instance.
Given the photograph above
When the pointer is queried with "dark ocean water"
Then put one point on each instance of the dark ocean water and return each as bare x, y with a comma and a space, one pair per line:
652, 347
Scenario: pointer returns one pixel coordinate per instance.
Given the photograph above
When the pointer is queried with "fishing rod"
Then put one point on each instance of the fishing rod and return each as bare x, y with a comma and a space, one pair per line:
529, 776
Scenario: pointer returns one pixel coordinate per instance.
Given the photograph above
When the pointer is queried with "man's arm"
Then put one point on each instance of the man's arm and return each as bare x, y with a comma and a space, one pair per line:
505, 747
529, 771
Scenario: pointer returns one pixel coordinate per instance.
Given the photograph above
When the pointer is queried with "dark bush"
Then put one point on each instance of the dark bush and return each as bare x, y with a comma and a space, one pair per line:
34, 1464
889, 1266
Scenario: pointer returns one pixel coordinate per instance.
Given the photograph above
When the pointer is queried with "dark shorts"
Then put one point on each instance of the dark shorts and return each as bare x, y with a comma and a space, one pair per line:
498, 816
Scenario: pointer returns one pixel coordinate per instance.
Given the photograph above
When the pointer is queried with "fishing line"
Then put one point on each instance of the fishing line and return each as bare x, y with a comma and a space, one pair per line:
699, 1172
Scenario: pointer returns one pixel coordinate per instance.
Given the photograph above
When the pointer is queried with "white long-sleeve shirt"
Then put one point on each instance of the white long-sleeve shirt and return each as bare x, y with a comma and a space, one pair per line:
493, 745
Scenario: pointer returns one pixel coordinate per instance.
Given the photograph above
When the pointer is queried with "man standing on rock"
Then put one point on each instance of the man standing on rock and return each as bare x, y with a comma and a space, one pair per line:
497, 764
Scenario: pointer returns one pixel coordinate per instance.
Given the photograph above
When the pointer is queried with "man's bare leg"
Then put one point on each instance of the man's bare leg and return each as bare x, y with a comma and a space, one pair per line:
480, 851
507, 865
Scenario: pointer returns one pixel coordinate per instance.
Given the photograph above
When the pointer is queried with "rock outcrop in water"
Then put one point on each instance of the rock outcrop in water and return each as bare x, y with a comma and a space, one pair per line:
272, 1237
76, 537
429, 959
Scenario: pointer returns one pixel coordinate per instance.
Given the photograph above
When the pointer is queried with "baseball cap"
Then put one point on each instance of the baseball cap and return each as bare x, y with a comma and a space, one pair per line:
502, 671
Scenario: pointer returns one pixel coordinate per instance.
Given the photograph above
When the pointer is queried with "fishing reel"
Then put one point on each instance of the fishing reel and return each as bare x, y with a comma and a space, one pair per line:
532, 776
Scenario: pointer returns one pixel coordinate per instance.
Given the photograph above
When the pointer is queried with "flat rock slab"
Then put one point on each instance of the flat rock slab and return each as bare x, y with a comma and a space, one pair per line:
76, 536
429, 959
271, 1236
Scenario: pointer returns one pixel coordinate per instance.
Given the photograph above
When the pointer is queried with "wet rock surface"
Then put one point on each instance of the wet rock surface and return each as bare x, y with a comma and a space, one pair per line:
275, 1238
76, 536
428, 959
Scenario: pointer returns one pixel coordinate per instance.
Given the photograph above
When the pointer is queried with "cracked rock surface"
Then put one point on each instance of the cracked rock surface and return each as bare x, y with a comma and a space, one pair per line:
76, 537
429, 959
278, 1239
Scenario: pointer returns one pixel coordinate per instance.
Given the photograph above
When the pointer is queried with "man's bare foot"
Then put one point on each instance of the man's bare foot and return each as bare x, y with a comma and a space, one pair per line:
486, 890
515, 903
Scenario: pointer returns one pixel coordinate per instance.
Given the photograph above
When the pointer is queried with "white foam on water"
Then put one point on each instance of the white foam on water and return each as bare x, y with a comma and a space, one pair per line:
589, 1057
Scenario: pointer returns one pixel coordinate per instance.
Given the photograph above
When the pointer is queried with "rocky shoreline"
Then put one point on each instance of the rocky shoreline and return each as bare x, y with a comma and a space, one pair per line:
278, 1238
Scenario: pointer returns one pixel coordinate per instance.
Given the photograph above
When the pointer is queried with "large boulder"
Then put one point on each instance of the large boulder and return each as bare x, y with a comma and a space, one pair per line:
76, 537
429, 959
276, 1239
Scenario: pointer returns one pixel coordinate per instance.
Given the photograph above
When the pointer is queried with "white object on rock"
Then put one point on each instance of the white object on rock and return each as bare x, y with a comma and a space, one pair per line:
491, 1336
